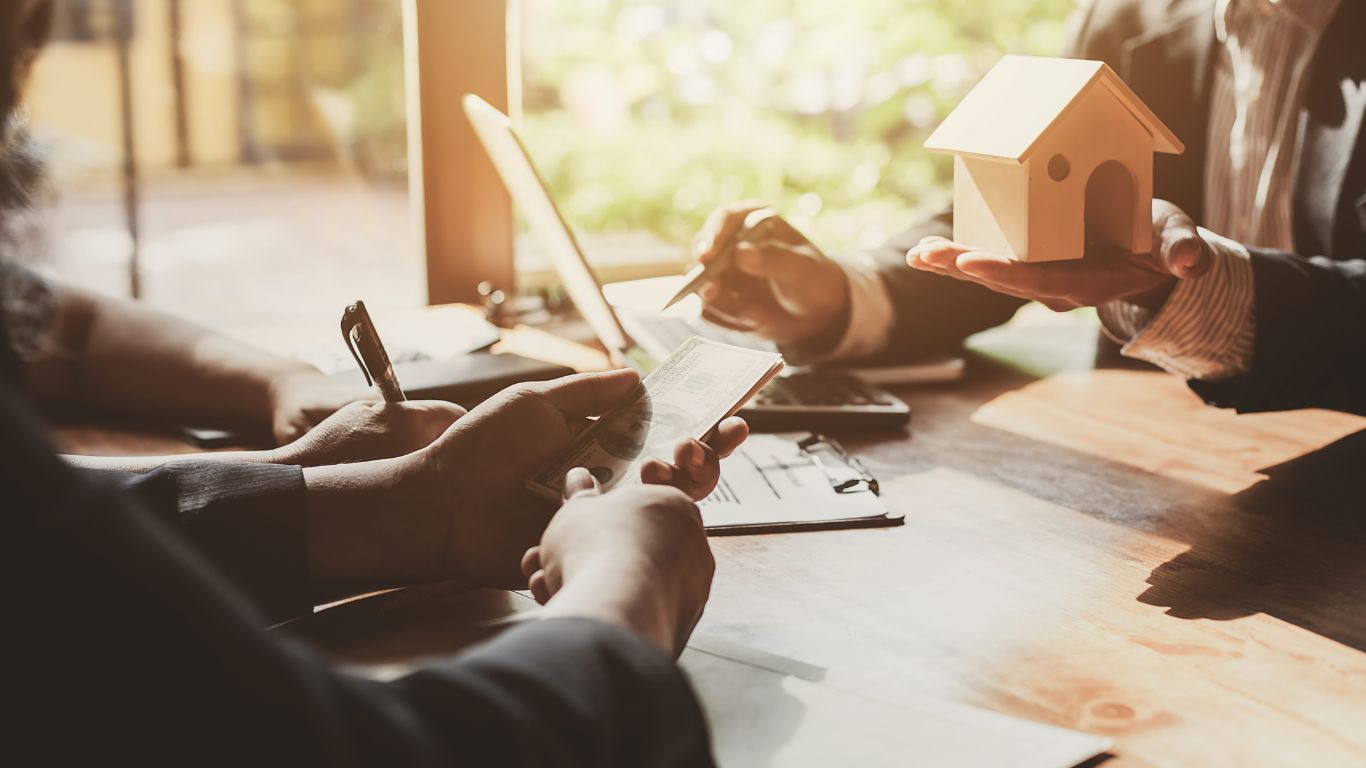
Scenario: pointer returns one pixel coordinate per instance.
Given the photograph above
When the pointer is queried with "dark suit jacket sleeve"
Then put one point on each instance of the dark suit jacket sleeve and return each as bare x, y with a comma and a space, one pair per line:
1310, 347
248, 520
934, 313
127, 644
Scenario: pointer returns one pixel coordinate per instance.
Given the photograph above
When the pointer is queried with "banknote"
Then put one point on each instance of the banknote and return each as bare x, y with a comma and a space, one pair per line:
700, 384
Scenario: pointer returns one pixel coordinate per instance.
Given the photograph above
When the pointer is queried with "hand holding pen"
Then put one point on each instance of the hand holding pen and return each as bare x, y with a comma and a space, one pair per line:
755, 226
778, 285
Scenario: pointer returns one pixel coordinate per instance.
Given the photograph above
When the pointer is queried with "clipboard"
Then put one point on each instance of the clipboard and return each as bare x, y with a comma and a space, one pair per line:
793, 481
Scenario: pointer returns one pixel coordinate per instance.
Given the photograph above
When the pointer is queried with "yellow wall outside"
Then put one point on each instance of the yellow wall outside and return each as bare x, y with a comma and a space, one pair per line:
75, 90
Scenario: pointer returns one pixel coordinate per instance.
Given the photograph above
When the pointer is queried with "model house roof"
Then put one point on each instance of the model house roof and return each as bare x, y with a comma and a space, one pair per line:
1015, 104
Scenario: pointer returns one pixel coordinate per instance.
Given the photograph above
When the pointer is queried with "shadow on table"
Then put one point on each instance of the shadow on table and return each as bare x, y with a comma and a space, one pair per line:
1292, 546
393, 632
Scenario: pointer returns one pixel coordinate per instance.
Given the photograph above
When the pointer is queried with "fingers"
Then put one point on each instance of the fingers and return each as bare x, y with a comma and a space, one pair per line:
744, 303
539, 584
718, 317
531, 561
1062, 286
1180, 248
588, 394
656, 472
1000, 274
580, 482
696, 467
730, 433
700, 468
536, 579
721, 225
691, 454
1032, 280
1102, 276
433, 417
937, 254
776, 260
733, 293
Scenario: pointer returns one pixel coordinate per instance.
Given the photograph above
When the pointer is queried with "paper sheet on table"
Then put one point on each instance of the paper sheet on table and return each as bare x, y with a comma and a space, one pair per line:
766, 710
410, 335
771, 481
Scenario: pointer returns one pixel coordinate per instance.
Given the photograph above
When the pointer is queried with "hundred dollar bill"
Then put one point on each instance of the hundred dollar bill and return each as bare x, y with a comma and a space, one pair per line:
700, 384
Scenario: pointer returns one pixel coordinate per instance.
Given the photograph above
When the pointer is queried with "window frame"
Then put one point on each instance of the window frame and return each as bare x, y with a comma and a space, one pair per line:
459, 204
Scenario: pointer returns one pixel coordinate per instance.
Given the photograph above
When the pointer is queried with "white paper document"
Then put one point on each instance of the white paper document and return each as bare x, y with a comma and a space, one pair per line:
771, 480
766, 710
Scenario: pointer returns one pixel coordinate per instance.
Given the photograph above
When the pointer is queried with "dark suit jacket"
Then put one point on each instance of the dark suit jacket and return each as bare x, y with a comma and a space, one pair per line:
1310, 305
131, 637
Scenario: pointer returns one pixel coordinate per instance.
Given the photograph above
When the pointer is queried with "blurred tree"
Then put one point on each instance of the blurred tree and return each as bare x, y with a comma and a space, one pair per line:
644, 114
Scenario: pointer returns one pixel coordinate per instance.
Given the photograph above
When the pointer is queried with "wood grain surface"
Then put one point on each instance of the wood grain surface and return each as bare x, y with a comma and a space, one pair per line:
1088, 547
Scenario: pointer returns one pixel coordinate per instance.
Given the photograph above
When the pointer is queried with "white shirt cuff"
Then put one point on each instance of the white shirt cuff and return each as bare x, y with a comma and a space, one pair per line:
1206, 328
870, 308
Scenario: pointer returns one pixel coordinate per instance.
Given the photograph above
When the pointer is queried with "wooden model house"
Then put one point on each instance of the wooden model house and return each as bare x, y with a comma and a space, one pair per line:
1050, 153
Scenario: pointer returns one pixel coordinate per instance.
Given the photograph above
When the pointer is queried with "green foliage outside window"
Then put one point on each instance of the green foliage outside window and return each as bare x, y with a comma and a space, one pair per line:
645, 115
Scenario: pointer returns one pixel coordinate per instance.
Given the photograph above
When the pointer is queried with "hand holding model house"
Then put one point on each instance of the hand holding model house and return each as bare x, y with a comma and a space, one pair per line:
1053, 162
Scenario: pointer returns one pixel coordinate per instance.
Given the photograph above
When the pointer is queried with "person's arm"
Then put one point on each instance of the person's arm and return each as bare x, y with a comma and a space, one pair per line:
1309, 349
872, 307
933, 314
1251, 329
817, 308
456, 508
132, 641
109, 355
1196, 329
930, 312
361, 431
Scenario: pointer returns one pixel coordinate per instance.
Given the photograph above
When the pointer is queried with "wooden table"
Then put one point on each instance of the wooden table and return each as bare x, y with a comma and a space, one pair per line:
1083, 546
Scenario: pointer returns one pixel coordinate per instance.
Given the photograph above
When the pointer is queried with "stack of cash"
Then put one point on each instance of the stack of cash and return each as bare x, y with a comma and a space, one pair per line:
700, 384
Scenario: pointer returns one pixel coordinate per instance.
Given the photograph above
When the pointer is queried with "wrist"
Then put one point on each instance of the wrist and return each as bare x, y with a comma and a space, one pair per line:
428, 491
611, 595
370, 526
825, 337
1153, 298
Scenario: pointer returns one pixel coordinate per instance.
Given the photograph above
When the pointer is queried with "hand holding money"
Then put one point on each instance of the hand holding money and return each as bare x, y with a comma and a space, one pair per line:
684, 400
696, 467
637, 558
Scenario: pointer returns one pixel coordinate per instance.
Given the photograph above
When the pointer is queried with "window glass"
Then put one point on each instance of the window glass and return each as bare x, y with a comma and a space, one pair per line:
645, 114
270, 149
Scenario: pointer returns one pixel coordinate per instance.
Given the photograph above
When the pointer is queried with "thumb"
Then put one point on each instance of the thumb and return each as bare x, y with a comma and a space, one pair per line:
588, 394
580, 482
1182, 251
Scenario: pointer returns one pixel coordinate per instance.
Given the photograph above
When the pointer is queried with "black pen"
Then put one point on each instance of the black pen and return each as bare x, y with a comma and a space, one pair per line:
702, 274
363, 341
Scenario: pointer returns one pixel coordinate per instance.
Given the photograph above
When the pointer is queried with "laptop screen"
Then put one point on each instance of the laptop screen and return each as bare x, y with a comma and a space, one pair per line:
529, 192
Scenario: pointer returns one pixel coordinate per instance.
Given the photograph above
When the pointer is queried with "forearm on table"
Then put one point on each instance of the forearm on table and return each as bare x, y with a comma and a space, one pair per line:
374, 525
600, 594
105, 354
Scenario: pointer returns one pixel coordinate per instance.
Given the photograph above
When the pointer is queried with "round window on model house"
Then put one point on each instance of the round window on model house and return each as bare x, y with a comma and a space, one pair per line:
1058, 167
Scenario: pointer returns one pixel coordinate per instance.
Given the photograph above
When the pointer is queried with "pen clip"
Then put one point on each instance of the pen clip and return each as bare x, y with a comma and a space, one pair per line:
352, 318
863, 482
